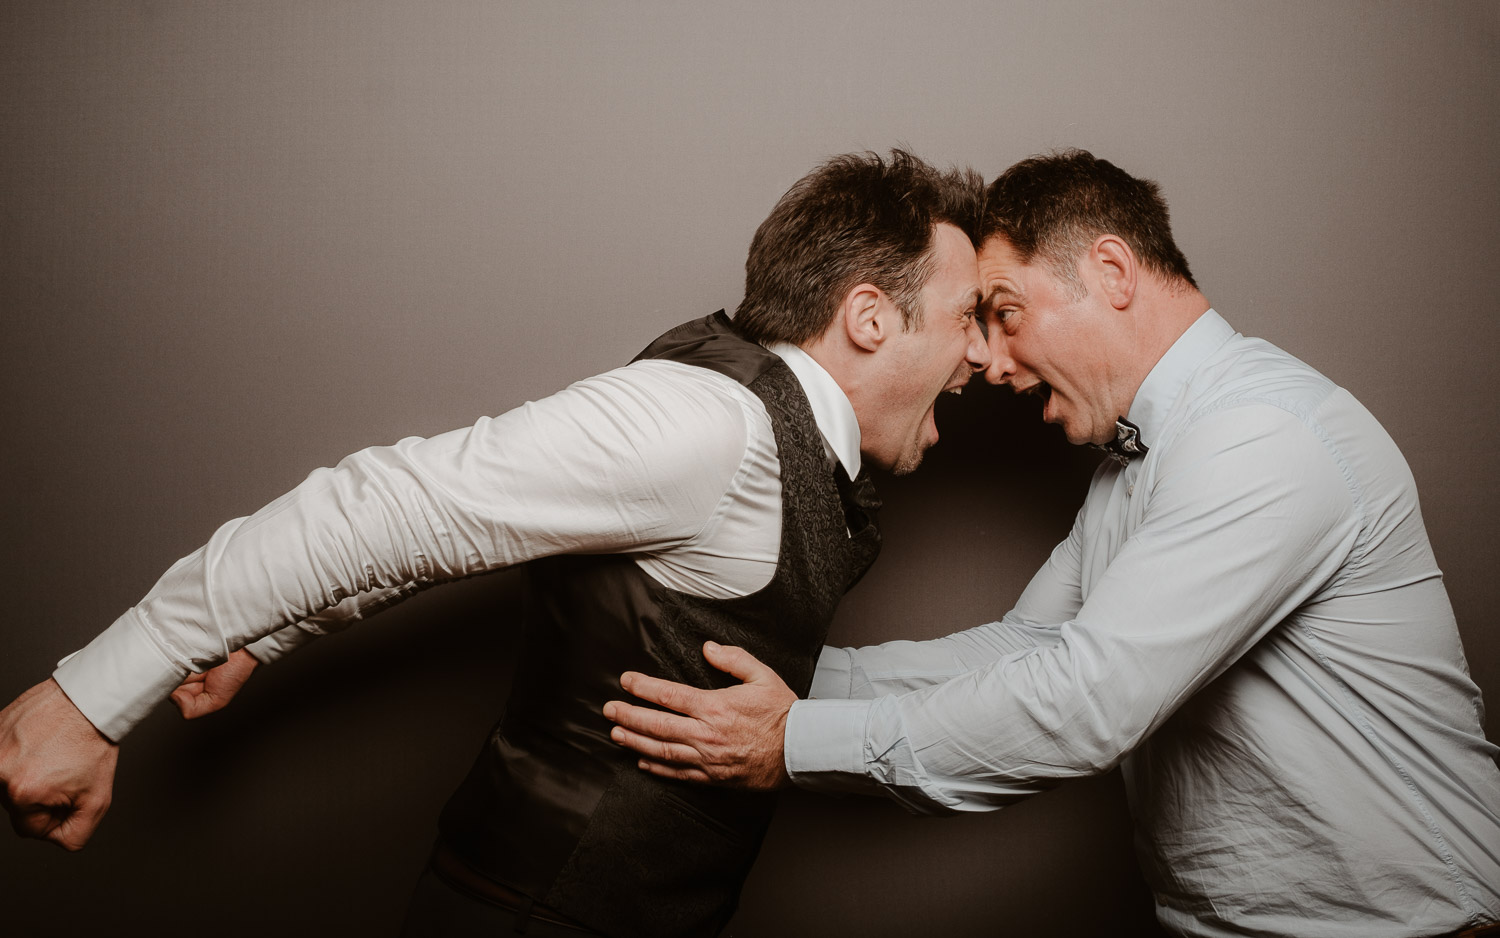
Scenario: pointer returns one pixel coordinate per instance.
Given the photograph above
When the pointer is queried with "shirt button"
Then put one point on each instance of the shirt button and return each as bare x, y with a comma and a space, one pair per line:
1130, 489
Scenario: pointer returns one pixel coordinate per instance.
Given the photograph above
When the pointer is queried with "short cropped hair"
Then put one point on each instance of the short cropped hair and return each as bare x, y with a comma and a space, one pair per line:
1054, 206
855, 219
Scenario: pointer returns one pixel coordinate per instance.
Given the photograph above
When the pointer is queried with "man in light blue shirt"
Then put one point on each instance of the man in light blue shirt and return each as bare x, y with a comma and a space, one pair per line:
1246, 617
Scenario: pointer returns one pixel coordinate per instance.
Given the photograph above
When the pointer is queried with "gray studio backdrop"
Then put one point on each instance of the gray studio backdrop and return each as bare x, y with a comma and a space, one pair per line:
239, 241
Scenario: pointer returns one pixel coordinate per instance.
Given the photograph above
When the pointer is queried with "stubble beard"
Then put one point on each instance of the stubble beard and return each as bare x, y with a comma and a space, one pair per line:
909, 460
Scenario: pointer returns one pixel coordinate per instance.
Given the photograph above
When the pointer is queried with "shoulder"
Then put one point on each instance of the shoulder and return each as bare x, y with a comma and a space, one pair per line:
1250, 372
662, 429
1270, 405
668, 403
1262, 447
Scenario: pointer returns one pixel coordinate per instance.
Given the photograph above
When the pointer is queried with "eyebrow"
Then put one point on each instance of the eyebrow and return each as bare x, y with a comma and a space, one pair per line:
1006, 292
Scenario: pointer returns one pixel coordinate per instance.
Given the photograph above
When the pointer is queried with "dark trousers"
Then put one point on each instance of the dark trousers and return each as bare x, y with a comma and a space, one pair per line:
438, 910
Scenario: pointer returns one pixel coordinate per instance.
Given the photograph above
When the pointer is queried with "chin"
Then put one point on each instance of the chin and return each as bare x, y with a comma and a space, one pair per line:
1080, 436
1072, 435
908, 462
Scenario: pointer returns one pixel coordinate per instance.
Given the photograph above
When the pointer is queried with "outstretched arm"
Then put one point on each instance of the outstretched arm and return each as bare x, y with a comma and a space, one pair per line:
633, 460
56, 770
614, 463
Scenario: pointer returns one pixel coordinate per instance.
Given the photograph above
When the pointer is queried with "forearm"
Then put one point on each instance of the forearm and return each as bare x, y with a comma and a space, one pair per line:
894, 667
370, 524
1227, 550
1051, 597
284, 641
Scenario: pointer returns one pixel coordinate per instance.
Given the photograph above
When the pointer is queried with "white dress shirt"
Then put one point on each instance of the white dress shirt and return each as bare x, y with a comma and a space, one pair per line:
671, 463
1251, 618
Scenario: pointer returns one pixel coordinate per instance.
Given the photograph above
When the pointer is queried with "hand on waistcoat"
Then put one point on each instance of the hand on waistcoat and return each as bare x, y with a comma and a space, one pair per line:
56, 770
732, 736
202, 694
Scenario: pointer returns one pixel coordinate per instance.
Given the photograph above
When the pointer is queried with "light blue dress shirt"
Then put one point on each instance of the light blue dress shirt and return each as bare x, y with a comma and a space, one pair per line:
1251, 621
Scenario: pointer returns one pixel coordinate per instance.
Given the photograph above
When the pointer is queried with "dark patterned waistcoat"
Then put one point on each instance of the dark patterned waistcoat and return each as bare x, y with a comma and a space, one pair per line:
552, 808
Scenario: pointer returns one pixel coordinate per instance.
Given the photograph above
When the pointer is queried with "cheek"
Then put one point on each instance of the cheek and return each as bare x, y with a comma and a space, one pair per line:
1023, 351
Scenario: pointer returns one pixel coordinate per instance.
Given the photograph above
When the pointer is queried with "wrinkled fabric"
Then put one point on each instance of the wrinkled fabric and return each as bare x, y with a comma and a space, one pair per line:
672, 464
1251, 620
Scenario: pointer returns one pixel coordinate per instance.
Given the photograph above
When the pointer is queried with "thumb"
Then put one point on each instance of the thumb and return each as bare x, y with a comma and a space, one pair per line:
731, 659
186, 698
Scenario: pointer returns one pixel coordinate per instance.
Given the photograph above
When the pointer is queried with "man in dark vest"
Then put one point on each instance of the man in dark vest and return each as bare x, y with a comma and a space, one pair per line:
713, 490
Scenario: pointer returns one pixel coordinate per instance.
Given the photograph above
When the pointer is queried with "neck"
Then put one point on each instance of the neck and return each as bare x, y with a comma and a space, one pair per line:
837, 359
1165, 311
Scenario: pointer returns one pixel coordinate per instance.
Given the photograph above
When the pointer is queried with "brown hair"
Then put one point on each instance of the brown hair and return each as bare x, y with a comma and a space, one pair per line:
855, 219
1054, 206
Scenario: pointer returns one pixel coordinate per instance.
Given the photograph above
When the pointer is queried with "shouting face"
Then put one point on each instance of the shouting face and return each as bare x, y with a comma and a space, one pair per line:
1055, 340
940, 354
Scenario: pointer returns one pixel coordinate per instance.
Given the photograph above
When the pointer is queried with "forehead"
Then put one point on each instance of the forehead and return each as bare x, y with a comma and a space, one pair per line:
955, 271
1001, 267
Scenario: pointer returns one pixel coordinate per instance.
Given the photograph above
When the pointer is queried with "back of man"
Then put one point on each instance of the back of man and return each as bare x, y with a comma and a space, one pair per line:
1327, 753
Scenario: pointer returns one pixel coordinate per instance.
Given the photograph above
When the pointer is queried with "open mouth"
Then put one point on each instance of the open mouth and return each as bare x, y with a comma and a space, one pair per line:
1041, 390
959, 381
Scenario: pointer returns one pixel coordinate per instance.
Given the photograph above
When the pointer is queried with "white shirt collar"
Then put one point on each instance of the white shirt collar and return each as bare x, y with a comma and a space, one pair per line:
1148, 410
831, 409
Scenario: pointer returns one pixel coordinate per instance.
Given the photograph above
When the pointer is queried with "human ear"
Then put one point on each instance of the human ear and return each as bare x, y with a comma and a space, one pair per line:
1115, 265
862, 316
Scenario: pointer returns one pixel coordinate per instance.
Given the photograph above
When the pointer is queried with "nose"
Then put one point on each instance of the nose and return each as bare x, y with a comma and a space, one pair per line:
977, 353
1000, 367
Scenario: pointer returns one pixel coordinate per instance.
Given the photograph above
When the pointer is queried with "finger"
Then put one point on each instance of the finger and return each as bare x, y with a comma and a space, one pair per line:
31, 822
667, 770
656, 749
665, 726
196, 678
731, 659
188, 700
76, 829
669, 694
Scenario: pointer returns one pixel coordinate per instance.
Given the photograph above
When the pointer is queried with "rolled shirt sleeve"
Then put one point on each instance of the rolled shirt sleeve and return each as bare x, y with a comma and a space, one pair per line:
1247, 517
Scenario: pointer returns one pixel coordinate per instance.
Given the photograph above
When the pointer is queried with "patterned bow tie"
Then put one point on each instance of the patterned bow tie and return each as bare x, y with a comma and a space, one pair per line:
1126, 444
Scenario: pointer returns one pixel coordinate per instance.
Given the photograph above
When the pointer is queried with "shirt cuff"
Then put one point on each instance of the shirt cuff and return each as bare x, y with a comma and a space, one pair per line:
825, 745
118, 678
